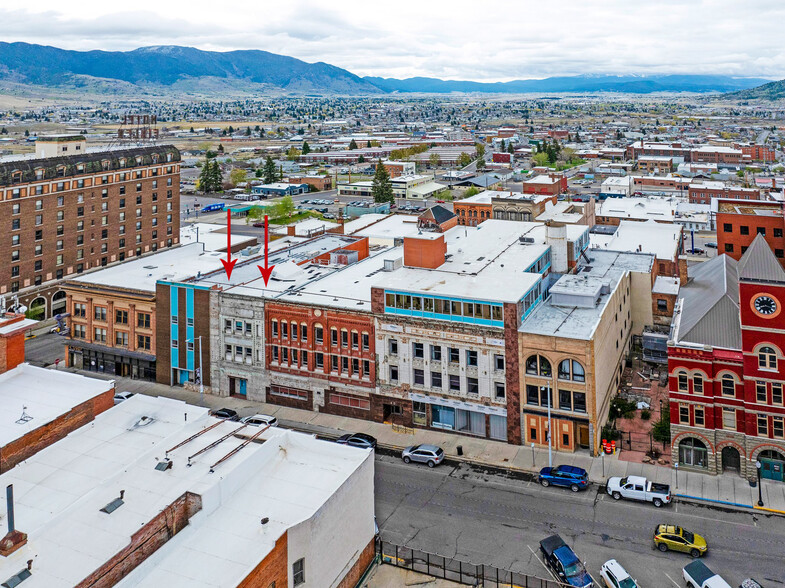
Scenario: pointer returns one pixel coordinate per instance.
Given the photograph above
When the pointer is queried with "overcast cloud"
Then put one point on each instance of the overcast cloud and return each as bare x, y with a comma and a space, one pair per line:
481, 41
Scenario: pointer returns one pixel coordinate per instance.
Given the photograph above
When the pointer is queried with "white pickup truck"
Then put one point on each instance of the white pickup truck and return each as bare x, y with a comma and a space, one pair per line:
698, 575
639, 488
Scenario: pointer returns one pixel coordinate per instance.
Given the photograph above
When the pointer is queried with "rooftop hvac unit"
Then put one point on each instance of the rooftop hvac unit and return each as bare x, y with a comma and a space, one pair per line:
392, 264
525, 239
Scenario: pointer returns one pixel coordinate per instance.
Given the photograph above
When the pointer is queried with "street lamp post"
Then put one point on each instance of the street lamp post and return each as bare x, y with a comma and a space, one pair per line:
550, 449
760, 489
201, 373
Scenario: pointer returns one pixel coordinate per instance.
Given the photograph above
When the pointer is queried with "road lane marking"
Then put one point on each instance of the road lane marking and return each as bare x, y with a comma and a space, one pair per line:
675, 583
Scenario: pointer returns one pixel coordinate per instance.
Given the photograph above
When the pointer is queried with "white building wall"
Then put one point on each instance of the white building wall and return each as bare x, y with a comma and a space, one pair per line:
332, 539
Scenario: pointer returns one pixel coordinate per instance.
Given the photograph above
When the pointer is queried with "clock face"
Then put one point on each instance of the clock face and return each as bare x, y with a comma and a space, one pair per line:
765, 305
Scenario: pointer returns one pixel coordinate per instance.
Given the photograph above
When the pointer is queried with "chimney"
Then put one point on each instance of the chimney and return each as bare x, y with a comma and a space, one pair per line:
12, 340
14, 539
426, 251
683, 277
290, 231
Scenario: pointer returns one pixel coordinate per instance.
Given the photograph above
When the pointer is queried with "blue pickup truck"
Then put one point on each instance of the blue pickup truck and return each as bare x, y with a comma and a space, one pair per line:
563, 562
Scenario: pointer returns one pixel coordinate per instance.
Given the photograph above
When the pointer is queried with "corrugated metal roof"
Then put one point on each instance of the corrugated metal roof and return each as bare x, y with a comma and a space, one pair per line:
710, 305
759, 263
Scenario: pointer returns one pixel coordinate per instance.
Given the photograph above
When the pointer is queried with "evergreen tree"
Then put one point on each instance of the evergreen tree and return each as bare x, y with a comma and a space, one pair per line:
502, 147
353, 144
369, 144
247, 131
510, 148
269, 170
192, 130
381, 187
220, 148
216, 177
306, 148
204, 177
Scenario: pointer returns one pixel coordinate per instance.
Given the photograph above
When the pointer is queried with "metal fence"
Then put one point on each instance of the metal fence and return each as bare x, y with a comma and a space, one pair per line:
457, 570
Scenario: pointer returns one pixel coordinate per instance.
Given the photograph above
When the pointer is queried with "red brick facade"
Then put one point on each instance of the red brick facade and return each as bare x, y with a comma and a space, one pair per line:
739, 223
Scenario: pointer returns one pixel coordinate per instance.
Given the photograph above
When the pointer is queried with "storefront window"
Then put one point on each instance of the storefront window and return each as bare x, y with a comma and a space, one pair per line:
692, 452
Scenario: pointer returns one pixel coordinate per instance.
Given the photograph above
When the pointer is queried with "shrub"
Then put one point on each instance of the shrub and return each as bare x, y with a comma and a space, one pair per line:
610, 433
645, 414
622, 408
662, 429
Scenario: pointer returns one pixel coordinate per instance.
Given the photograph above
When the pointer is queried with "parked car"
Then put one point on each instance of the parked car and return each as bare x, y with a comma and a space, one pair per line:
567, 476
360, 440
696, 251
226, 413
673, 538
710, 245
260, 420
259, 224
440, 201
430, 454
698, 575
615, 576
639, 488
122, 396
563, 562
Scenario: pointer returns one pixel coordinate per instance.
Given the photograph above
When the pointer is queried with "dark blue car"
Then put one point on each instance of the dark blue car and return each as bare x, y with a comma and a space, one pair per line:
563, 562
570, 477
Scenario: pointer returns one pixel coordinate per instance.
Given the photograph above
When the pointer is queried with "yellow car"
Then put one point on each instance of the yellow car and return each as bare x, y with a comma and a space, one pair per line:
677, 539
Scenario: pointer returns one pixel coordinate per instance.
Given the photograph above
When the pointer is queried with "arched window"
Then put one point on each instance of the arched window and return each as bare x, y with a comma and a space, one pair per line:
697, 384
578, 373
569, 369
683, 381
538, 365
728, 385
767, 358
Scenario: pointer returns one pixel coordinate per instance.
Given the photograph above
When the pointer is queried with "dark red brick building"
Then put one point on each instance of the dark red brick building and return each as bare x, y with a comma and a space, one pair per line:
739, 222
68, 213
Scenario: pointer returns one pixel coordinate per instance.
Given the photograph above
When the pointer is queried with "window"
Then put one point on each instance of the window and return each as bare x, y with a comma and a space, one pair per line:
355, 340
472, 386
436, 353
684, 414
455, 355
143, 342
100, 313
760, 230
366, 341
532, 394
319, 360
121, 338
80, 310
294, 331
334, 337
778, 233
776, 427
744, 230
471, 358
729, 419
419, 377
393, 373
418, 350
728, 385
80, 332
334, 363
318, 333
760, 392
776, 393
274, 328
455, 383
344, 338
767, 358
763, 425
284, 329
579, 402
699, 417
498, 362
304, 332
350, 401
99, 335
565, 400
121, 317
284, 355
697, 384
538, 365
298, 572
728, 247
393, 346
499, 391
436, 379
683, 385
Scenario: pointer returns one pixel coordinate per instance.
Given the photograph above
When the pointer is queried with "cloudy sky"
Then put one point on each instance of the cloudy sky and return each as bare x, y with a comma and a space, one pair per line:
483, 41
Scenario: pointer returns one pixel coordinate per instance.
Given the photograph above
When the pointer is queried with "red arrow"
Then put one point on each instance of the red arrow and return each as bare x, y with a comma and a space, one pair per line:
267, 270
229, 262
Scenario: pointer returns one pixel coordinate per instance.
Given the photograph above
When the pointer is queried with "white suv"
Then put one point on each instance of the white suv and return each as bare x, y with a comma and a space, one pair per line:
260, 420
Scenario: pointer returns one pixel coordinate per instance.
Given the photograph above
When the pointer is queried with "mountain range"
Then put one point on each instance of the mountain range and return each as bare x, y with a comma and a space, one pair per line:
174, 68
770, 91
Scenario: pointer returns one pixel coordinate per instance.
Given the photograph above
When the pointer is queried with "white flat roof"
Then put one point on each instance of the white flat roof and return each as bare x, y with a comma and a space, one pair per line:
659, 239
60, 491
213, 236
43, 395
142, 273
361, 222
665, 285
394, 226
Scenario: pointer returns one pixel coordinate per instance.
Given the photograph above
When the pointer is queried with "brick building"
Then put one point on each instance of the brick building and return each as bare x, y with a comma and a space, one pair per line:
80, 209
721, 155
473, 210
762, 153
653, 164
739, 222
727, 368
703, 193
315, 183
553, 184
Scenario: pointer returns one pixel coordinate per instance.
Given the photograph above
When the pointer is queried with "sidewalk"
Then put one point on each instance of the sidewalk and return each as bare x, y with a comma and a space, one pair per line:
727, 490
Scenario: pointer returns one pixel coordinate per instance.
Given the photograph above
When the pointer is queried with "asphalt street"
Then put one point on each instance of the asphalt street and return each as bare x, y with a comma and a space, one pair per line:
490, 519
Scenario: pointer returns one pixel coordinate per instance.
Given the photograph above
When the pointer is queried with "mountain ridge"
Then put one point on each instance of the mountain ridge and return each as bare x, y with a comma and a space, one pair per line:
769, 91
163, 67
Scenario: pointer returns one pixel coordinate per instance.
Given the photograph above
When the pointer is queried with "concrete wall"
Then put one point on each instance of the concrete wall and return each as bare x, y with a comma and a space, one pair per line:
344, 523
